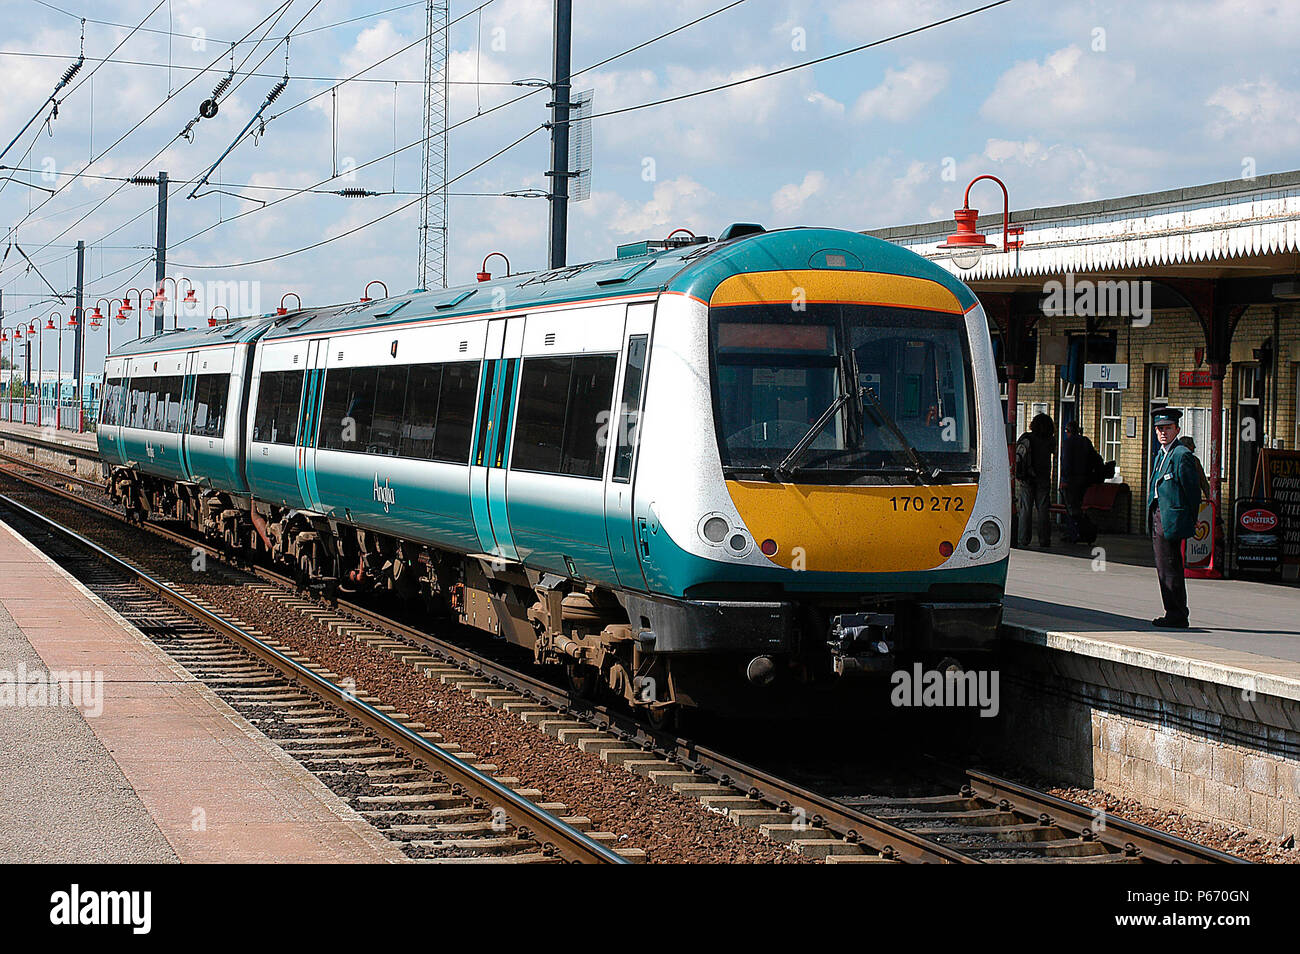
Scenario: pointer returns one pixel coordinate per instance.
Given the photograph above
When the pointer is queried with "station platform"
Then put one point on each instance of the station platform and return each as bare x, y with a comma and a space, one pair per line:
149, 765
1243, 634
84, 441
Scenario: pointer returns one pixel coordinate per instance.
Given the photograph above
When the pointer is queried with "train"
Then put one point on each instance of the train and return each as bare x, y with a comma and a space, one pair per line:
692, 474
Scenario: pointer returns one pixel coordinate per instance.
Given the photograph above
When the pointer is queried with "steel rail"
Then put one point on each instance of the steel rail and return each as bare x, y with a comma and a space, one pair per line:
1131, 838
567, 841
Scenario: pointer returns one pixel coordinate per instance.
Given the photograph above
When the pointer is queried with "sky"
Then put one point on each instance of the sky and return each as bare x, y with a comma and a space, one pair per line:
1065, 100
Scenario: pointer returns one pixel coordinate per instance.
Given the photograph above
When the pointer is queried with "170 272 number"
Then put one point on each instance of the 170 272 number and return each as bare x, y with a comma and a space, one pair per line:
936, 504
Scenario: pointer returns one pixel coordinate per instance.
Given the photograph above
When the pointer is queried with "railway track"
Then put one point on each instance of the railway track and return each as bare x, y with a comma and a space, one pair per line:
390, 768
984, 820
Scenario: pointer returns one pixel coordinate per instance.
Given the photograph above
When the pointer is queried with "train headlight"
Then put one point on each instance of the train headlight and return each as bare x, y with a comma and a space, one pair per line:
714, 530
991, 532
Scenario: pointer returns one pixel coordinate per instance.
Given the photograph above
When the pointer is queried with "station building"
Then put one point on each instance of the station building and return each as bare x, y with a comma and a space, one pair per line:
1187, 298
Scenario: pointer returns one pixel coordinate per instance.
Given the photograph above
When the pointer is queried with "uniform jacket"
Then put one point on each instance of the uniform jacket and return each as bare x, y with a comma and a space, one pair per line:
1176, 486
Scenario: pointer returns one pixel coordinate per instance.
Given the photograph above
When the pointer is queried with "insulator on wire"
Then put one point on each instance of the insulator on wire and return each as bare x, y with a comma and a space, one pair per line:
352, 192
221, 87
70, 72
143, 180
276, 90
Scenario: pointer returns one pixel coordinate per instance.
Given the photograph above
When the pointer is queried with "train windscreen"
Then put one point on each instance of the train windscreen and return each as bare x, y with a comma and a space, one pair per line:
842, 391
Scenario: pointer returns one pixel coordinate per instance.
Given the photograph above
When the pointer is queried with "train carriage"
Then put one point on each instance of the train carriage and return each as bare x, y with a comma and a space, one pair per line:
689, 474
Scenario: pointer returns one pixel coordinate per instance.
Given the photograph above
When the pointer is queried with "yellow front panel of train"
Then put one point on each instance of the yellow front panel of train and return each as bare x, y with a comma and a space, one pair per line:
854, 529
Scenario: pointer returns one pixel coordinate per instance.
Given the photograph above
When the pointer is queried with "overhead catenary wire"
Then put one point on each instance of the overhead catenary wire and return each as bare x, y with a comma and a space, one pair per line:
531, 92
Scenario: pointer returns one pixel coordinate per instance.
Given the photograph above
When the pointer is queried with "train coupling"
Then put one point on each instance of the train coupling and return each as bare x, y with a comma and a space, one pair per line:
861, 643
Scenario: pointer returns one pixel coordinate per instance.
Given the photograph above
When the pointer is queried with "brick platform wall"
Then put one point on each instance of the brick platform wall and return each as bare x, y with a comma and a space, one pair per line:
1214, 752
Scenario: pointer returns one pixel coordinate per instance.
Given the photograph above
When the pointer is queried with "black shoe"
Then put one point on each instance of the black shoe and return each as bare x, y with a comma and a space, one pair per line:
1164, 622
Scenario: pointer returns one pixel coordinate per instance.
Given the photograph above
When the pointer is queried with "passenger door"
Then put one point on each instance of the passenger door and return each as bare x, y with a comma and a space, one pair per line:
187, 412
487, 477
620, 521
317, 355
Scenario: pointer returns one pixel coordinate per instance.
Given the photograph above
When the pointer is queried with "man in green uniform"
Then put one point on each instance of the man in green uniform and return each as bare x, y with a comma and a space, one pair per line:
1173, 502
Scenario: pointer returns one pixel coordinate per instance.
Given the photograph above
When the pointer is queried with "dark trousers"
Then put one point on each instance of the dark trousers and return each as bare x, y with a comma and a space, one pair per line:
1169, 570
1084, 531
1028, 496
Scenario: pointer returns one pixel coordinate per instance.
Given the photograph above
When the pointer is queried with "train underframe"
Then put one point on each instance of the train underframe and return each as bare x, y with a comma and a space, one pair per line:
658, 654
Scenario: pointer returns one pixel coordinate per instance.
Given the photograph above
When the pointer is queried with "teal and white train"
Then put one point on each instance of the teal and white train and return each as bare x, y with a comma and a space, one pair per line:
692, 474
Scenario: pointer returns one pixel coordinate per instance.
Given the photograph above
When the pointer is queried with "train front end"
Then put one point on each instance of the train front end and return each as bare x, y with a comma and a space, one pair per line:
840, 500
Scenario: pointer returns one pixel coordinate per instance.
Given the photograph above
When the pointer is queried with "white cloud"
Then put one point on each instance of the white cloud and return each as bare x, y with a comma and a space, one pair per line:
903, 92
1255, 112
791, 198
1066, 88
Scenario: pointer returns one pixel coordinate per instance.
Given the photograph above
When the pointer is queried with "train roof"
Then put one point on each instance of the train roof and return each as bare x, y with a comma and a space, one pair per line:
694, 269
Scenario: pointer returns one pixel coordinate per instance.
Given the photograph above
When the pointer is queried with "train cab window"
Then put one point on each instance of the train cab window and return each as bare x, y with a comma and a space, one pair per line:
563, 411
629, 408
208, 415
278, 396
455, 421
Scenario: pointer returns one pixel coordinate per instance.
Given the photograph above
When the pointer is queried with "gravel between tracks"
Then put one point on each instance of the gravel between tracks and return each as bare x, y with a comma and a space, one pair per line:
671, 828
1232, 840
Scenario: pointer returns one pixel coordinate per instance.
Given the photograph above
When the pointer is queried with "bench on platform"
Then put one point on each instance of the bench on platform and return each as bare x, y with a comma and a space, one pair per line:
1111, 501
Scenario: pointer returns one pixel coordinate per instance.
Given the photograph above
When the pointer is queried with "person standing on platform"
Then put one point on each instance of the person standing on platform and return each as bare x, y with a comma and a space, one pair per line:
1081, 467
1190, 444
1034, 452
1173, 503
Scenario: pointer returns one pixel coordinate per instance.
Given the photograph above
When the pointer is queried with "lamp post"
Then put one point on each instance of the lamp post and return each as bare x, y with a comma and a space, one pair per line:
40, 368
58, 375
97, 316
31, 330
139, 293
189, 298
967, 244
212, 318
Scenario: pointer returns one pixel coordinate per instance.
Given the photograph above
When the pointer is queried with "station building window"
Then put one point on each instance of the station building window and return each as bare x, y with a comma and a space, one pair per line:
1112, 428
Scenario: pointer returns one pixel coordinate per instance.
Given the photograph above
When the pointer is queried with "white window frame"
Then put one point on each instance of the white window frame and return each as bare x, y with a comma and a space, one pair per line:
1112, 429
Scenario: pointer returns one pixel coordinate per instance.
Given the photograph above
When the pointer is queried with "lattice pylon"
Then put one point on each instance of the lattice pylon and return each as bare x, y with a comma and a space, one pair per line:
433, 189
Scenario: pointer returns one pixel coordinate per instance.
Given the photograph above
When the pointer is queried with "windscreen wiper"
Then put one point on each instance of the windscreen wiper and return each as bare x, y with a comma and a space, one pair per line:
787, 466
921, 468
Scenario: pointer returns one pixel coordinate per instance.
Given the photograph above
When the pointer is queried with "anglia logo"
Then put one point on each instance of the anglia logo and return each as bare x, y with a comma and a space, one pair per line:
1258, 521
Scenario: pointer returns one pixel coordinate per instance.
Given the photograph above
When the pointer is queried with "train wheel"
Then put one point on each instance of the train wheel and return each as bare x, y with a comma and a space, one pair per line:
584, 680
664, 718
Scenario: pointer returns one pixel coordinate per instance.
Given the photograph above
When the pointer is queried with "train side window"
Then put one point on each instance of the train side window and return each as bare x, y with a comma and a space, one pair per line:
390, 400
539, 424
629, 409
455, 422
334, 408
208, 415
285, 429
421, 411
108, 402
174, 388
591, 391
278, 395
268, 399
360, 410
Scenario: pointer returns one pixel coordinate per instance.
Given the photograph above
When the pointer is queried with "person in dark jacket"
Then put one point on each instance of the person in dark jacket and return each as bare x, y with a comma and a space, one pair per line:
1081, 467
1034, 453
1173, 502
